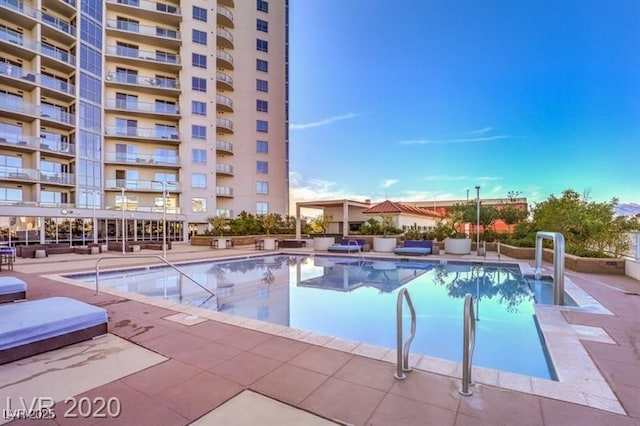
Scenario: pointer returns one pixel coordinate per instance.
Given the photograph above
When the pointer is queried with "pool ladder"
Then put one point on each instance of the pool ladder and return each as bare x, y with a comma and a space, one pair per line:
360, 251
403, 348
468, 344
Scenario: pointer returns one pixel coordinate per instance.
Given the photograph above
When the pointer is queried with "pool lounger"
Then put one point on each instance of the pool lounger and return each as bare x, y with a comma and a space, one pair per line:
38, 326
348, 246
12, 288
415, 248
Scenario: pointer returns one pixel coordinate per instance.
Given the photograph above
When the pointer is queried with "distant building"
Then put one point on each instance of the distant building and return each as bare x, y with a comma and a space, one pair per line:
405, 216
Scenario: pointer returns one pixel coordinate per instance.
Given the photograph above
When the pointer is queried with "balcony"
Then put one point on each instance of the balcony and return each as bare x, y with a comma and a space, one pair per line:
224, 126
224, 103
157, 110
224, 169
143, 83
55, 178
224, 38
140, 185
57, 147
160, 60
225, 82
142, 133
142, 159
56, 117
24, 47
18, 13
228, 3
18, 110
224, 60
224, 147
55, 28
156, 35
18, 142
224, 191
19, 174
225, 17
149, 10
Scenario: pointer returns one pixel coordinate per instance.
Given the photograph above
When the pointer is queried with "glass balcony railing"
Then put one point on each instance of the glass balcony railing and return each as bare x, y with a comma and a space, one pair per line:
141, 185
224, 191
224, 56
221, 32
10, 103
7, 138
224, 78
224, 168
41, 79
128, 52
147, 30
224, 123
150, 6
224, 101
19, 173
122, 157
142, 132
53, 113
142, 80
60, 24
43, 48
57, 178
157, 108
224, 146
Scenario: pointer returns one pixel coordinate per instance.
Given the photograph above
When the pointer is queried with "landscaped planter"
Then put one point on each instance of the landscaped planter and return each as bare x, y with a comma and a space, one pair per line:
457, 245
384, 244
269, 243
322, 243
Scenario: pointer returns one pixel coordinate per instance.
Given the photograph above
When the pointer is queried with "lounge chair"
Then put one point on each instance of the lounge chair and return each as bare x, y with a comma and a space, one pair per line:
38, 326
349, 245
12, 288
415, 248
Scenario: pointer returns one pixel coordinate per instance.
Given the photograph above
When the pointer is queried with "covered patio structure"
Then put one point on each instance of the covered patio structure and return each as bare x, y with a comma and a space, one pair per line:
344, 213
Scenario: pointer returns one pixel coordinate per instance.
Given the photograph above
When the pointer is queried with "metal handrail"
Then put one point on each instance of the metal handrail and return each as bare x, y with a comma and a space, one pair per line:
359, 251
468, 344
558, 263
155, 256
403, 351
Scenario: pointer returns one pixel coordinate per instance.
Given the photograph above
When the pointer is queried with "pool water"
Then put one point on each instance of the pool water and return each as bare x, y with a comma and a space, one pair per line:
356, 300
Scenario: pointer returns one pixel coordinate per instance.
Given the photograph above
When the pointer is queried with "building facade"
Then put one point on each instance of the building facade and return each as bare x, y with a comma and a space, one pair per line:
117, 115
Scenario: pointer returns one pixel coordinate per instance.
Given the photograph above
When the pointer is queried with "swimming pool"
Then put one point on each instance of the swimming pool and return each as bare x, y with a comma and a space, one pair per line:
355, 299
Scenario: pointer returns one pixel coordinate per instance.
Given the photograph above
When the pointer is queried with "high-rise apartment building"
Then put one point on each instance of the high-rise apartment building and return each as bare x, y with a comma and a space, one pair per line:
127, 111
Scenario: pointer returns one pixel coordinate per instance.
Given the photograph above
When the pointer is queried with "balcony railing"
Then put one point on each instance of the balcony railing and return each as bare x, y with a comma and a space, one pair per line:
19, 140
226, 35
147, 30
224, 191
150, 6
28, 43
224, 101
141, 185
224, 78
224, 146
140, 132
60, 24
128, 52
57, 178
223, 11
224, 168
143, 80
41, 79
224, 56
57, 146
22, 107
224, 123
19, 173
51, 113
120, 157
143, 106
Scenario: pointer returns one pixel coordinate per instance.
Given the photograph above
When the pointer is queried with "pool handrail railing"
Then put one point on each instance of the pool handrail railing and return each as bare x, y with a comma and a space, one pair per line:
468, 344
558, 263
403, 352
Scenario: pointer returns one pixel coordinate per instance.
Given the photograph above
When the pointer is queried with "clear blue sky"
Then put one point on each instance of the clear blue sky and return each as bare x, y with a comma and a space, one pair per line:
411, 100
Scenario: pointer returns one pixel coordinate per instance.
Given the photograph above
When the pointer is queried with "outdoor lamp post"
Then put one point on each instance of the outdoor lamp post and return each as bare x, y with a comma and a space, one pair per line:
124, 236
478, 219
95, 193
164, 216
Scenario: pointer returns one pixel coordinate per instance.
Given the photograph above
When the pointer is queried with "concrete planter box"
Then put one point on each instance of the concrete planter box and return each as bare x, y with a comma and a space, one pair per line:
322, 243
384, 244
457, 245
269, 243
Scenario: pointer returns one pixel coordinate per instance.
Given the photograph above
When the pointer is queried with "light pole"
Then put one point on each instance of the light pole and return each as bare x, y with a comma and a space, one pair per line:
95, 227
478, 219
124, 235
164, 216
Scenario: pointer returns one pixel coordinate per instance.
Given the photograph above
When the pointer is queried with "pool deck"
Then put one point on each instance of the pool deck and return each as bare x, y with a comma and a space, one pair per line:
222, 369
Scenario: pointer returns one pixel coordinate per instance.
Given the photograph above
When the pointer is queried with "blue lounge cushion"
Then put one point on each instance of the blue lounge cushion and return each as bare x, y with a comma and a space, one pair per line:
415, 247
348, 245
9, 285
37, 320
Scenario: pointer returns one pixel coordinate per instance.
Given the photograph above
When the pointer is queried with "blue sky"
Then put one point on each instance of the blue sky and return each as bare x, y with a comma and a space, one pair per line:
416, 100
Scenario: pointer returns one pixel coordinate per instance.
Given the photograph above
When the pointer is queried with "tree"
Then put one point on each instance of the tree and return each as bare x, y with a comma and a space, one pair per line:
245, 224
270, 222
320, 223
512, 216
218, 224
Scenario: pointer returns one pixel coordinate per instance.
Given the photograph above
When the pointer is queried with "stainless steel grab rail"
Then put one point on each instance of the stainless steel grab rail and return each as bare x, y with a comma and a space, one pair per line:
154, 256
468, 344
403, 351
558, 263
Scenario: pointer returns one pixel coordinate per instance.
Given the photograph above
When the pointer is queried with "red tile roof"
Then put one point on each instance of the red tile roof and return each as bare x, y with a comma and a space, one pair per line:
390, 207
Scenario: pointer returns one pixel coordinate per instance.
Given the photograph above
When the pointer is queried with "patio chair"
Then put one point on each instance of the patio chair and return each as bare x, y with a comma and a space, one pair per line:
38, 326
11, 289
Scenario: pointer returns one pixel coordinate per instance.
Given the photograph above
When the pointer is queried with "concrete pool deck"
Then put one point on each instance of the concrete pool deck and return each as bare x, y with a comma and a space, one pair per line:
213, 358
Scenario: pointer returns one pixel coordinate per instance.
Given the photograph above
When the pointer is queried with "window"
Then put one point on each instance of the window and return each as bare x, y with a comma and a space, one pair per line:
263, 6
198, 180
198, 108
198, 132
262, 85
199, 37
262, 126
198, 60
262, 25
262, 45
198, 84
199, 156
199, 14
262, 106
199, 205
262, 187
262, 147
262, 208
262, 65
262, 167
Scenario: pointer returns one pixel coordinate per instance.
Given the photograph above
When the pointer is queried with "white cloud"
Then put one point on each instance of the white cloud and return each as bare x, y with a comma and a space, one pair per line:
389, 182
459, 177
481, 131
451, 141
324, 122
311, 189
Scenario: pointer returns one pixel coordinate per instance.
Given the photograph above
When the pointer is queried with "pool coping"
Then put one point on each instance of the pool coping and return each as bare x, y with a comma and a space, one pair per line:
579, 380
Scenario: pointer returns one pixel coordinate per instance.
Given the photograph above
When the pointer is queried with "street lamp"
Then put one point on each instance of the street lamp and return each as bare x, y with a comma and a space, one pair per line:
124, 235
478, 219
95, 192
164, 216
